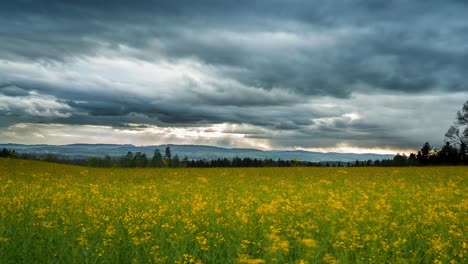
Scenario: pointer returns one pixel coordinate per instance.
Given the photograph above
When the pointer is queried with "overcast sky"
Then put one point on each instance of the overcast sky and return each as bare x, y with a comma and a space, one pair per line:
349, 76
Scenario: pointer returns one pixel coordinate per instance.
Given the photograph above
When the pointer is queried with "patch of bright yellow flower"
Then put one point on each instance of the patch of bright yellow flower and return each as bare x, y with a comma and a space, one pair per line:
58, 213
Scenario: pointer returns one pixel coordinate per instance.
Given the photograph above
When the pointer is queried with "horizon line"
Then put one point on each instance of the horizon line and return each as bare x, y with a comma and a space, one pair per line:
293, 149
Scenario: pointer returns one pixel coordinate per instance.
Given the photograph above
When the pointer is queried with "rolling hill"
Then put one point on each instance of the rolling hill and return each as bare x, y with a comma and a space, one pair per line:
78, 151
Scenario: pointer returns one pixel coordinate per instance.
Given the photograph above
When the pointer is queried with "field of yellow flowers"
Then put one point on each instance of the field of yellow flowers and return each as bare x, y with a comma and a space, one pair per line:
52, 213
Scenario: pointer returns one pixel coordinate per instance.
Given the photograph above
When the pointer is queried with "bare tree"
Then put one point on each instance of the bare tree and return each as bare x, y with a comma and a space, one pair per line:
457, 134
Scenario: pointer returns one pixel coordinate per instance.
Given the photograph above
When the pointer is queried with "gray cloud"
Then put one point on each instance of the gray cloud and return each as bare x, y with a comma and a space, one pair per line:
11, 90
274, 65
327, 49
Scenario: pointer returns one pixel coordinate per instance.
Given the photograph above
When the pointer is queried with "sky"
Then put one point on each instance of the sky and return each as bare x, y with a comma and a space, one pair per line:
345, 76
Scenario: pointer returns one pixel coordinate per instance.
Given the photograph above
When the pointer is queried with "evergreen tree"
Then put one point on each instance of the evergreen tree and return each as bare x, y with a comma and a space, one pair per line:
175, 162
185, 162
140, 160
157, 159
412, 161
128, 160
400, 160
448, 154
424, 154
168, 158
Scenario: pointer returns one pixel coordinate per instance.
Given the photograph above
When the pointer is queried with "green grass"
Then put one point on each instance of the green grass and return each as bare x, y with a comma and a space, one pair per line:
52, 213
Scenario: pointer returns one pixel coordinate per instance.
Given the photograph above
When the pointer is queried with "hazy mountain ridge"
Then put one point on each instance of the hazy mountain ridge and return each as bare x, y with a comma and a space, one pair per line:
75, 151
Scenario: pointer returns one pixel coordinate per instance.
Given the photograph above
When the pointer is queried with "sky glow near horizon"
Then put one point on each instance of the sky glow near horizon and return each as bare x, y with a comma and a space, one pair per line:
340, 76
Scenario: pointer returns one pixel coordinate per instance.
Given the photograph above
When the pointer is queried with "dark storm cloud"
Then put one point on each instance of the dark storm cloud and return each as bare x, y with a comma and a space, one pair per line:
115, 109
263, 63
115, 113
397, 46
11, 90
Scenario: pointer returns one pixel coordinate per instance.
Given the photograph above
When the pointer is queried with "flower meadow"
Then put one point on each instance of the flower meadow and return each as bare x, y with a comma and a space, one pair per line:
51, 213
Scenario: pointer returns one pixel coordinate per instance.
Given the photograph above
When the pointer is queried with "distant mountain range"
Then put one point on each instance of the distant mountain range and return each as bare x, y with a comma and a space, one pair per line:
79, 151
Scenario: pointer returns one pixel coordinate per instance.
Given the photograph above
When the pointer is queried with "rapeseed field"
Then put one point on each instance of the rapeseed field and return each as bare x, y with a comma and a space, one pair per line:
52, 213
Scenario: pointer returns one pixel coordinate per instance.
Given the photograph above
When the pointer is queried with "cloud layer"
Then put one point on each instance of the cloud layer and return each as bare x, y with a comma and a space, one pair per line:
285, 74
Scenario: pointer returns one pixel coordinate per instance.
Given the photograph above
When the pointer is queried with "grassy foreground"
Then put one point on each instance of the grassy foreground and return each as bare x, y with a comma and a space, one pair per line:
53, 213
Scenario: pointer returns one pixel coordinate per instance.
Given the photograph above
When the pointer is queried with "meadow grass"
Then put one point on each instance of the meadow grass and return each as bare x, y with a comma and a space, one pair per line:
52, 213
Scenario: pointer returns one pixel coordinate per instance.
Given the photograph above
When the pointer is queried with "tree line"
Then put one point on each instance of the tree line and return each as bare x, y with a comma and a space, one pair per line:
8, 153
427, 155
158, 160
139, 160
168, 160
